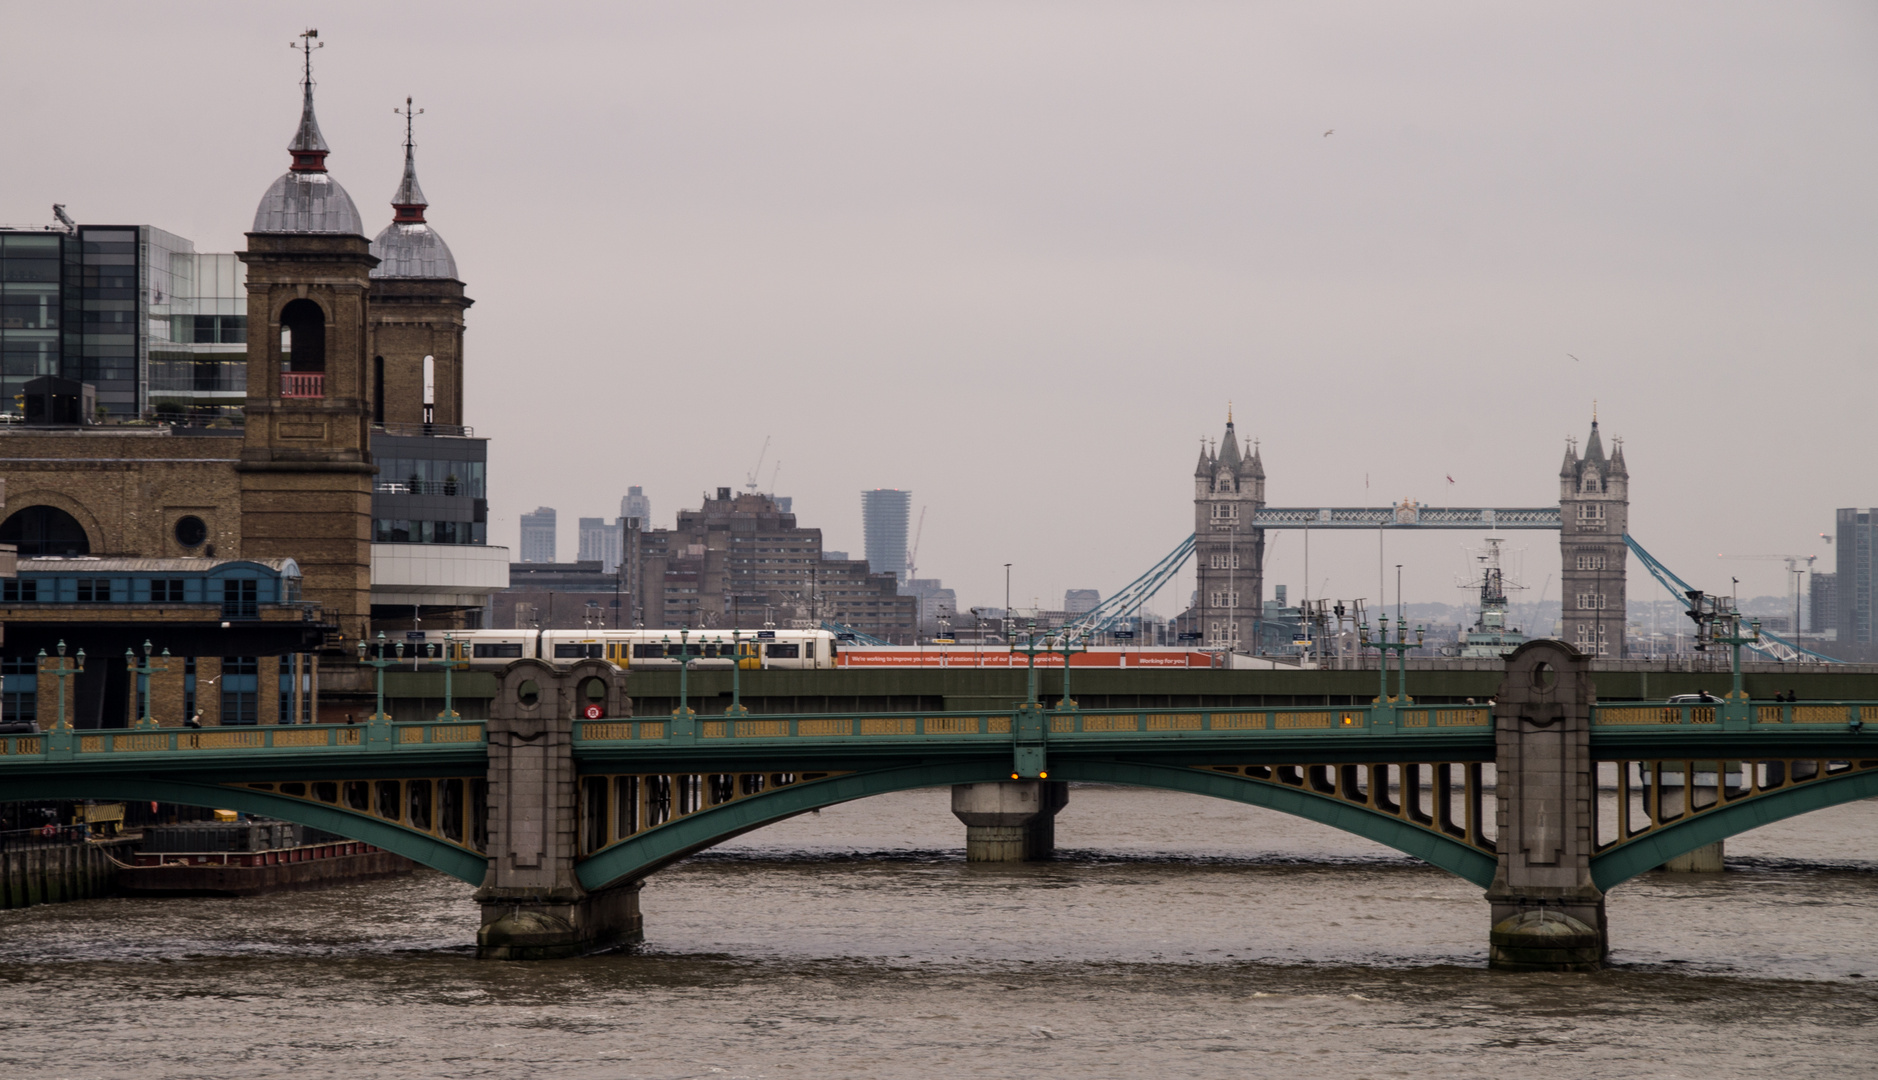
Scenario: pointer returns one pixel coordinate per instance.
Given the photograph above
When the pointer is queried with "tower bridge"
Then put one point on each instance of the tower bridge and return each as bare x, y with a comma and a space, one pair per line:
1230, 518
564, 801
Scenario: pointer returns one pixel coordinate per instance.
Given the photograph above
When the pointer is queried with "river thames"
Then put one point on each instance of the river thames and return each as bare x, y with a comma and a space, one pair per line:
1173, 936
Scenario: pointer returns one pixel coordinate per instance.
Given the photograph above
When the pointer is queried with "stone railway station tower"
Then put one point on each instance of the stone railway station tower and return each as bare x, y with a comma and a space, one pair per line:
350, 341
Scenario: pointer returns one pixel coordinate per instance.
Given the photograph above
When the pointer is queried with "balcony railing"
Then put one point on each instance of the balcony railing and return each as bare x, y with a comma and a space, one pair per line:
458, 430
303, 384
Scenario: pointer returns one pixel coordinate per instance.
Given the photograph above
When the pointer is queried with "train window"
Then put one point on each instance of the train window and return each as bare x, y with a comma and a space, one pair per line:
809, 649
648, 652
781, 651
575, 651
498, 650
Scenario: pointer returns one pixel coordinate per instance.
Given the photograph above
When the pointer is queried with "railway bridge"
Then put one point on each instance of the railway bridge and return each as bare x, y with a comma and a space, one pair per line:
562, 802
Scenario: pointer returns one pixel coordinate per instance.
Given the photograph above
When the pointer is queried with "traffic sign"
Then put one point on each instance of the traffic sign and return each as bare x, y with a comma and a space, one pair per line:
593, 711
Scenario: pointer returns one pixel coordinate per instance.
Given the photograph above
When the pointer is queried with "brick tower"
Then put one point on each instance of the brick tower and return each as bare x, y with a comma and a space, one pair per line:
1594, 511
416, 314
306, 466
1228, 489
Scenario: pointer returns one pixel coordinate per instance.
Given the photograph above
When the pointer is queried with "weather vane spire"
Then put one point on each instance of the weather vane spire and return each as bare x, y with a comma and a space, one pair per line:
307, 43
409, 115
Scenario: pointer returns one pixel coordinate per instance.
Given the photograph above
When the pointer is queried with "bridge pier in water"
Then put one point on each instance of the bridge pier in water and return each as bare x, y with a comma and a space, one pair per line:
533, 905
1009, 820
1547, 913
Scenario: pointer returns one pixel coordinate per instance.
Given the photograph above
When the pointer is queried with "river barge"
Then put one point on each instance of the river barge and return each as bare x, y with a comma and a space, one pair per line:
249, 858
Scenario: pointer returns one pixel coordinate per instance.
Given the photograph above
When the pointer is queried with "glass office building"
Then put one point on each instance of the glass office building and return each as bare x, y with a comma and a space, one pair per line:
130, 309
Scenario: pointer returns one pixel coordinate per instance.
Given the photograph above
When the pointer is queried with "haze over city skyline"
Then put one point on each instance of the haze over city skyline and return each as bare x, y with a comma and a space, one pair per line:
1018, 261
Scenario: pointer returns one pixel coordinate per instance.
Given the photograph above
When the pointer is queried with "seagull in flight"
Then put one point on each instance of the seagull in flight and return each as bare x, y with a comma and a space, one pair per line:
1574, 358
1329, 133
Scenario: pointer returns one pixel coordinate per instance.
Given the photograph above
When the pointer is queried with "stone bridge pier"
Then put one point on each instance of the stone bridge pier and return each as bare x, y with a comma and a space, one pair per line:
1009, 820
533, 906
1547, 915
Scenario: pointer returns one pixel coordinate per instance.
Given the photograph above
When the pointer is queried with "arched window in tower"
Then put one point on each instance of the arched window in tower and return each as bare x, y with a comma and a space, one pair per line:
45, 530
430, 390
302, 350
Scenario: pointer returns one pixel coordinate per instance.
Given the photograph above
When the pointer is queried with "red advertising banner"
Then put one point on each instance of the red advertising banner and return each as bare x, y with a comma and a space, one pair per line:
954, 656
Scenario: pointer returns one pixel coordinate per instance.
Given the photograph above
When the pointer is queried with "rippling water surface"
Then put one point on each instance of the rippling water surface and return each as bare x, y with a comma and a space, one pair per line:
1175, 936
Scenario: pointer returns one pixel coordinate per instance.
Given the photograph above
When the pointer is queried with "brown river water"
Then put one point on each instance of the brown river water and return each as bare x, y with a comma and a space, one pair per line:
1174, 936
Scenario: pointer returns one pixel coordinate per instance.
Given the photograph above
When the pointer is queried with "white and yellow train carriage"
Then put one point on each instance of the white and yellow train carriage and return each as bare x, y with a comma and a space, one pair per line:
750, 649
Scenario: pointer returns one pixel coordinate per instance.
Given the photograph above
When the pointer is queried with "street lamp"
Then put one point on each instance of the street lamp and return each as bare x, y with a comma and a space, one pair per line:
143, 672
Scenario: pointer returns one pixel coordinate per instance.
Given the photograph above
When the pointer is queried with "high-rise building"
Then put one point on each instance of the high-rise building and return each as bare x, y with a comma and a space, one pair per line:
538, 535
1229, 552
1081, 601
1822, 603
884, 513
1594, 515
1855, 584
600, 542
635, 505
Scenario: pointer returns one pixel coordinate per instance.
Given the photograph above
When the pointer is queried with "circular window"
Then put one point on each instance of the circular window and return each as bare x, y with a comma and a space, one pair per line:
191, 531
1543, 677
529, 693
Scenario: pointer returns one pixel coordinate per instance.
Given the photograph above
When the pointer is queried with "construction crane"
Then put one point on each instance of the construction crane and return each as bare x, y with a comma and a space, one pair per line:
912, 553
749, 483
1772, 645
1793, 571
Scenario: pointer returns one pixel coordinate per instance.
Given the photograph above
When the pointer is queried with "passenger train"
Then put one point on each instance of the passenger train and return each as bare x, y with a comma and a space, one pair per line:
750, 649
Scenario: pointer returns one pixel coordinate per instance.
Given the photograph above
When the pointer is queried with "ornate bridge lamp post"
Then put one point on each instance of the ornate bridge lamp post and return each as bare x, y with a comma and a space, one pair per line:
451, 664
1067, 642
143, 672
683, 714
59, 735
378, 728
1735, 707
1027, 755
736, 673
1400, 647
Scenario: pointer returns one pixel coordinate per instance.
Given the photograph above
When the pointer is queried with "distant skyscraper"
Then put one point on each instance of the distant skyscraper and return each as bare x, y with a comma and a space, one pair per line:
538, 535
1822, 611
1855, 585
635, 504
599, 542
1078, 601
884, 513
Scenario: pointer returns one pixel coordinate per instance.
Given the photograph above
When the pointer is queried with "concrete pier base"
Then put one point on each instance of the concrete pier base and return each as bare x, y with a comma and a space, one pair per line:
1706, 859
548, 927
1010, 820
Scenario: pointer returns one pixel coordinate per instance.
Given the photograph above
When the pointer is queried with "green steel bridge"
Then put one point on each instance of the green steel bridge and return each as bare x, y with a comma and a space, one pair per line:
620, 796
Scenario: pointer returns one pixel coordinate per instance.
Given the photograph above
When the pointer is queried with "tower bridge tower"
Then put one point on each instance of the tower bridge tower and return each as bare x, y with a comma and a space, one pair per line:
1594, 515
1228, 490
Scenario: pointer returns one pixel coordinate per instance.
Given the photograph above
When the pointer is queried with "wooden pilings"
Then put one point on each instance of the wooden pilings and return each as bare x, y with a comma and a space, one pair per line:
54, 872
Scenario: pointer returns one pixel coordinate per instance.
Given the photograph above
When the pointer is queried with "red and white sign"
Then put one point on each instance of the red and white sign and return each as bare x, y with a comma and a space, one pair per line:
593, 712
993, 657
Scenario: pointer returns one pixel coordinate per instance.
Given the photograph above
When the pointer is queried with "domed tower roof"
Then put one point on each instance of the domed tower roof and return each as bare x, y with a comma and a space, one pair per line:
409, 247
307, 199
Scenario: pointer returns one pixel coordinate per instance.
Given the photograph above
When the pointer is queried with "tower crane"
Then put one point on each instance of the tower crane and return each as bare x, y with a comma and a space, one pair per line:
1793, 570
749, 483
912, 554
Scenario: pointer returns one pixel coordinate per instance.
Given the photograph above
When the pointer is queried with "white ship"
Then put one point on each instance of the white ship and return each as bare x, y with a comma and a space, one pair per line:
1491, 638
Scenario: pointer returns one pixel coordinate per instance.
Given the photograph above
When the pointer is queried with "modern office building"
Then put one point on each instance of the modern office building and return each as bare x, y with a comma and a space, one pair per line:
1081, 601
156, 328
538, 535
1855, 582
600, 542
634, 504
884, 514
1822, 609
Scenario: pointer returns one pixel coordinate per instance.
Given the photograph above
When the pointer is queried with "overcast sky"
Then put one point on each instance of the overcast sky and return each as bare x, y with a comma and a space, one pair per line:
1017, 257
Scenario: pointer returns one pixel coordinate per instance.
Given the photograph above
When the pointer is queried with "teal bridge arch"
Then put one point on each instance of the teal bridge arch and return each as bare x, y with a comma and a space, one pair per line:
652, 791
